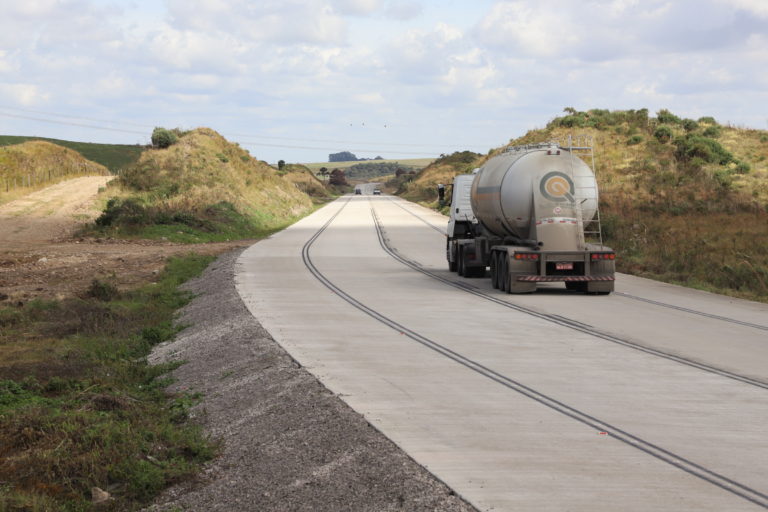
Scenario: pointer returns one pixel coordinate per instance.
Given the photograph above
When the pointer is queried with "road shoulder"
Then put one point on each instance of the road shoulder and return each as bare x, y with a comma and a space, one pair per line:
287, 442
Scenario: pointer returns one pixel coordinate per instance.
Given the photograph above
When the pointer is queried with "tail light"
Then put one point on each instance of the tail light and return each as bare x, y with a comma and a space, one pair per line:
531, 256
603, 256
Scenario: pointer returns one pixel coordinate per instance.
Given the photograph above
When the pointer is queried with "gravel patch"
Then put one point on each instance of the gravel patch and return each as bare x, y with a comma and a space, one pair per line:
287, 442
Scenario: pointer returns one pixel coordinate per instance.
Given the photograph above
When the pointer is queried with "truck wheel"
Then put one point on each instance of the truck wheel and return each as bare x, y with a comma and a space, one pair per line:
452, 265
503, 274
462, 268
494, 271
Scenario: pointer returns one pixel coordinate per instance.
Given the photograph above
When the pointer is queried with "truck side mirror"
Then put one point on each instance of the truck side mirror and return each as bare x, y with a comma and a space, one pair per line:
441, 192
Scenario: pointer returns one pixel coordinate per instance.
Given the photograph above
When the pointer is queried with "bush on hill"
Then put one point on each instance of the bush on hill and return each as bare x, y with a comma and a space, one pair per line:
207, 187
162, 138
708, 150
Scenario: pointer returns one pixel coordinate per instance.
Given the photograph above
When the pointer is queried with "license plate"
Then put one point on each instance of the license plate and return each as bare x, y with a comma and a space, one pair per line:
564, 266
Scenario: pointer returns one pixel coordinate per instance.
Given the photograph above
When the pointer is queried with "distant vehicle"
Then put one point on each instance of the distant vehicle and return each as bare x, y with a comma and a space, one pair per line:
527, 213
358, 192
376, 192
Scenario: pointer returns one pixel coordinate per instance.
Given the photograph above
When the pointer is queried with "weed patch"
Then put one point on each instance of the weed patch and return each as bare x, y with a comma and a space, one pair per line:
99, 416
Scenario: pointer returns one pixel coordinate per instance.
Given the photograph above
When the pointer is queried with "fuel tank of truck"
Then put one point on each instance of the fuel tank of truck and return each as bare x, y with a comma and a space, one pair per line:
526, 190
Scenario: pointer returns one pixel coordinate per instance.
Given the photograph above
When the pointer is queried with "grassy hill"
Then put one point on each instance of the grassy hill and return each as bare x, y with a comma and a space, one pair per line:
201, 188
111, 156
683, 201
306, 181
33, 165
415, 163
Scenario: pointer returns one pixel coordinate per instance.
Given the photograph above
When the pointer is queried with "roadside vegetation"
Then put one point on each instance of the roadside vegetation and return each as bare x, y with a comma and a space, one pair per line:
683, 201
34, 165
112, 156
198, 187
80, 408
423, 187
306, 181
411, 163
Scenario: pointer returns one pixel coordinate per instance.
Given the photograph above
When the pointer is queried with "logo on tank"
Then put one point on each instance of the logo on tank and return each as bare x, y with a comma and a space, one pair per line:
557, 186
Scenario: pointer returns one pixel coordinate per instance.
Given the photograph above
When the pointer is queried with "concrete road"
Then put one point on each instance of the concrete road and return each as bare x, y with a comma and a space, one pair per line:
653, 398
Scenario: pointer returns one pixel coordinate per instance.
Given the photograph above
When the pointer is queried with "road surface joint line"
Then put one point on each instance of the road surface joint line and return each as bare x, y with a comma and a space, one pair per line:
563, 321
628, 439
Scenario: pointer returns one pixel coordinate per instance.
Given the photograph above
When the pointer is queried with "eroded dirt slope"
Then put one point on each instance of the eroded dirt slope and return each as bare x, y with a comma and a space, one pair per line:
40, 259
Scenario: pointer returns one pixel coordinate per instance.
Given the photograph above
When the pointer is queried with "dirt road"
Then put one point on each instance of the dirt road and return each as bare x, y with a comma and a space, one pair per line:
40, 259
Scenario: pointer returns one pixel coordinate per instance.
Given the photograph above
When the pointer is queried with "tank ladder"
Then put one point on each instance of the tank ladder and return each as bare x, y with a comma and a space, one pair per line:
582, 146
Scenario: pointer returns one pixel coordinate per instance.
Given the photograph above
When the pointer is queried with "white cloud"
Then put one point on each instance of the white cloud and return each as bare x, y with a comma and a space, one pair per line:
757, 7
532, 29
356, 7
403, 10
282, 22
370, 98
27, 95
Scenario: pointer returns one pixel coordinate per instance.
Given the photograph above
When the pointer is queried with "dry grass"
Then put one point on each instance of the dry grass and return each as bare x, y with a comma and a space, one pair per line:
34, 165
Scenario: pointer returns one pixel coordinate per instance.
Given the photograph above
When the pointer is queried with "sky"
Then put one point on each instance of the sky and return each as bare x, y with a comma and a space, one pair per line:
299, 79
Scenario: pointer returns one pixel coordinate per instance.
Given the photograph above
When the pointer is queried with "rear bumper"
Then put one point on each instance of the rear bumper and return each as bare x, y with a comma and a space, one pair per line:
555, 279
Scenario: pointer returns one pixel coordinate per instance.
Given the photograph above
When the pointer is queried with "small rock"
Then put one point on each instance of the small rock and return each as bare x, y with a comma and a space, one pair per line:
99, 496
42, 260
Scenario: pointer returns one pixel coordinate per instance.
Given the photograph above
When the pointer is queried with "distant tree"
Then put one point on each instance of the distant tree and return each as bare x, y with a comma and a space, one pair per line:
338, 178
399, 172
323, 172
280, 164
162, 138
344, 156
378, 158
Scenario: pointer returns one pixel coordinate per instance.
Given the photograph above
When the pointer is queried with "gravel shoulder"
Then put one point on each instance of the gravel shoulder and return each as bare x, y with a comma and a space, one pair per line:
287, 443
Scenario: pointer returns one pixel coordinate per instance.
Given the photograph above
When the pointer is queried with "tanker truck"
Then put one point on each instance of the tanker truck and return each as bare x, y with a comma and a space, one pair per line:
530, 215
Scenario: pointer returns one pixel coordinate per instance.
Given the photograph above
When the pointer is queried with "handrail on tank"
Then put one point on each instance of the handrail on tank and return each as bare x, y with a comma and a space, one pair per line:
583, 143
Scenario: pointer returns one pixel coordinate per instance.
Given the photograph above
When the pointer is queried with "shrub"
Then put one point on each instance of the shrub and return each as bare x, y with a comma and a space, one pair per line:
708, 120
124, 211
635, 139
664, 116
102, 291
690, 125
742, 168
695, 146
712, 132
663, 134
162, 138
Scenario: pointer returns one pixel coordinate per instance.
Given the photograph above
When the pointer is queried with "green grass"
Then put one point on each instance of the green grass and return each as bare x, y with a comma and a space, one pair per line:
87, 410
111, 156
218, 223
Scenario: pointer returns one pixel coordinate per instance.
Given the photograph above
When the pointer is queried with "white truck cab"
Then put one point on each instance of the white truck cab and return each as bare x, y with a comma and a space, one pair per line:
461, 216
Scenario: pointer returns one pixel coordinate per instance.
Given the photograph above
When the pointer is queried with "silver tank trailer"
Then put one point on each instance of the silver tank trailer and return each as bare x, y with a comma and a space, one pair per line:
538, 193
